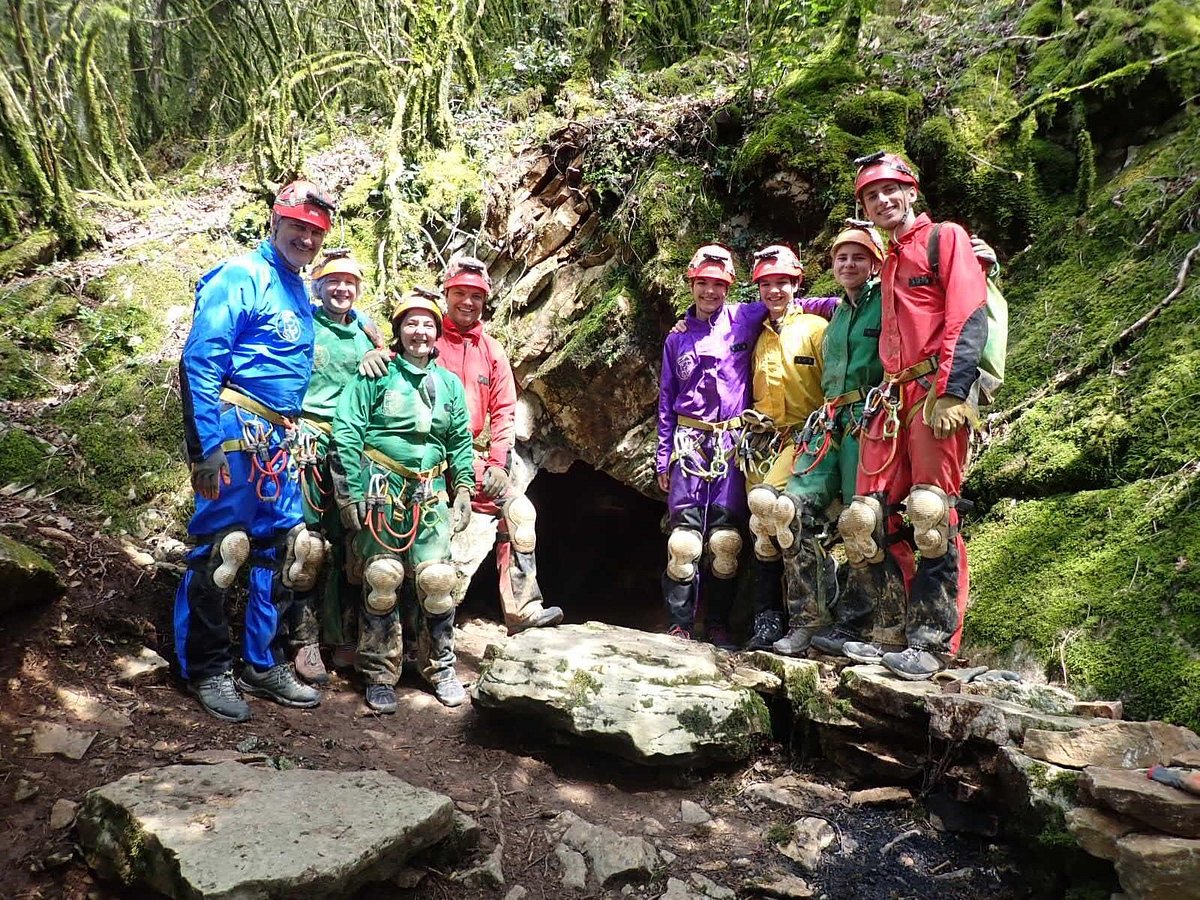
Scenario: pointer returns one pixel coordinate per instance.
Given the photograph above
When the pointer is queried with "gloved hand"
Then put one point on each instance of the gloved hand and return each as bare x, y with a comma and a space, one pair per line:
209, 474
495, 481
374, 363
352, 513
460, 513
984, 253
949, 415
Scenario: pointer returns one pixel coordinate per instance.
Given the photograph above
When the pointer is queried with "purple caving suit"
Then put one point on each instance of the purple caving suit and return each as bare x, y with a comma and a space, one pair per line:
706, 375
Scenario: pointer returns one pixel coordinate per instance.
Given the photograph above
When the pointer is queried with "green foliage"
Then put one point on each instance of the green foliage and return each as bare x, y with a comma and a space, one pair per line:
22, 459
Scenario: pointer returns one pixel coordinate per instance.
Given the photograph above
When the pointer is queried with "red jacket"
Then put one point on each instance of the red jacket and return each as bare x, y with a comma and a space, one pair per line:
925, 316
482, 365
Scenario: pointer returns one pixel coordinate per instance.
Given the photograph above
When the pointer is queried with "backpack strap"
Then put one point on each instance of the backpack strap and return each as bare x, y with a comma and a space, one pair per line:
934, 250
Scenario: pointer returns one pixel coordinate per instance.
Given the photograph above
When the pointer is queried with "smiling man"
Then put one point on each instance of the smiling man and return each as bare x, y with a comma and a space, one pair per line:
917, 422
242, 376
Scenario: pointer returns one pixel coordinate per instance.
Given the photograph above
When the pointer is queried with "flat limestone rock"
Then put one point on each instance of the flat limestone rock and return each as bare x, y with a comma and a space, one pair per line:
1044, 698
876, 688
1130, 792
1159, 867
1117, 745
611, 855
649, 698
794, 792
141, 666
1034, 791
1098, 831
231, 831
960, 717
50, 737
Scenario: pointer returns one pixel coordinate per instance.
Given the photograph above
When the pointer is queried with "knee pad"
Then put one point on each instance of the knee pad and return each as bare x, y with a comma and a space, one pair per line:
684, 547
383, 575
521, 517
304, 551
435, 587
724, 544
929, 512
861, 527
230, 552
764, 547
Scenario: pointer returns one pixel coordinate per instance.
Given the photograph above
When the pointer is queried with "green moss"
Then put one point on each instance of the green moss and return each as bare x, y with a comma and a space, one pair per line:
31, 251
582, 685
697, 720
1108, 581
779, 833
1042, 18
22, 459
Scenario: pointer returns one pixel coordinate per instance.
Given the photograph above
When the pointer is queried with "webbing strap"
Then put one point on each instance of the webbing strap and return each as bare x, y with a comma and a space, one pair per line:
912, 373
388, 463
237, 398
848, 397
322, 425
701, 425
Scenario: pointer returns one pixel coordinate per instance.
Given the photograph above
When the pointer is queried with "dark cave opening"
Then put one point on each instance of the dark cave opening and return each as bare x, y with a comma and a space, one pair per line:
600, 551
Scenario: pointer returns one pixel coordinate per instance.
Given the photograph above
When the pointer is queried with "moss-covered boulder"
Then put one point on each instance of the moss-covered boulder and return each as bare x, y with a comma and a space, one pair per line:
27, 578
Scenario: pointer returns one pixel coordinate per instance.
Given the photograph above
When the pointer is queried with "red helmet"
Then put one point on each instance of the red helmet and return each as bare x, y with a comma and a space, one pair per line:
712, 261
305, 201
467, 271
883, 166
776, 260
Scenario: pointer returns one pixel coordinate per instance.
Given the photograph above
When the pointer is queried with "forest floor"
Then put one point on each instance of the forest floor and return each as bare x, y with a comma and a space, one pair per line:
57, 664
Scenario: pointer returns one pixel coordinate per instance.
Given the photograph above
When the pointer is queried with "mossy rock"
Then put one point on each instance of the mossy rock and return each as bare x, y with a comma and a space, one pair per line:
33, 250
1105, 584
22, 457
26, 577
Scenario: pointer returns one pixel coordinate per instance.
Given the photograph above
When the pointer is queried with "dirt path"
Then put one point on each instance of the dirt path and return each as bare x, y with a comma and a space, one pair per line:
511, 780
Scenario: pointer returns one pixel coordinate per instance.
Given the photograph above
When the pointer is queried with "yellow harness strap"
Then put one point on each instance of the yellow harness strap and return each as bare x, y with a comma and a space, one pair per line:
388, 463
240, 400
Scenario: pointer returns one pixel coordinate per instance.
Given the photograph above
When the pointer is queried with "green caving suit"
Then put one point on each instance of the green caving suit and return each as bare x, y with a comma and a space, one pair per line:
337, 350
851, 358
417, 418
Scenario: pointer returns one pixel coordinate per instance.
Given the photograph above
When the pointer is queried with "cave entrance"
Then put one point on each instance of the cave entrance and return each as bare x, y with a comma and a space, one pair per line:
600, 551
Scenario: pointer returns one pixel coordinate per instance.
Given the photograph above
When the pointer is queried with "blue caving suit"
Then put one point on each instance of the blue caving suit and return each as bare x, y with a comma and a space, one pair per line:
253, 333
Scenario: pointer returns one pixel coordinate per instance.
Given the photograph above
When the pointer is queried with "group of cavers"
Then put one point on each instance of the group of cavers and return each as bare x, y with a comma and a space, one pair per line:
338, 468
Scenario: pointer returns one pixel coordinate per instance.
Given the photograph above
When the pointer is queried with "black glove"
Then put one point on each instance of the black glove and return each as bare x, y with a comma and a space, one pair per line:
209, 473
352, 513
495, 481
460, 513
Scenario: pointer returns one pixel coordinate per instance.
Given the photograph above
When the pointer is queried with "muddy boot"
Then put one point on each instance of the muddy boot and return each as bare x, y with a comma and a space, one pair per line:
795, 642
449, 691
832, 640
219, 697
278, 683
768, 628
541, 617
310, 666
912, 664
381, 698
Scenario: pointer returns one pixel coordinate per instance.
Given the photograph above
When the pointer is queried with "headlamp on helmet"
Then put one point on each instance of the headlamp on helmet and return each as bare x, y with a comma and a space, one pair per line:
776, 260
305, 202
712, 261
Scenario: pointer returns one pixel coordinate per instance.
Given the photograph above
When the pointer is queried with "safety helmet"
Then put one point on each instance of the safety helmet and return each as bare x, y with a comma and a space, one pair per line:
712, 261
860, 233
467, 271
776, 260
337, 262
418, 298
306, 202
883, 166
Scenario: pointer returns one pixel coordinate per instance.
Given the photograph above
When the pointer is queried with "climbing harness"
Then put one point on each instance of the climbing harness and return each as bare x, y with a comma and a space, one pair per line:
383, 506
689, 450
887, 397
759, 443
267, 468
307, 456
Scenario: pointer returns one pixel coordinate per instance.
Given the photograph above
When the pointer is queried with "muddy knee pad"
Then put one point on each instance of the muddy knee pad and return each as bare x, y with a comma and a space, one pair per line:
303, 553
684, 547
761, 501
230, 550
436, 581
521, 517
724, 546
382, 575
861, 527
929, 512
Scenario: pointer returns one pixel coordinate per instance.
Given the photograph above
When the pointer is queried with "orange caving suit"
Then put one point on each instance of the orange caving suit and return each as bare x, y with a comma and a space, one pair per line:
937, 324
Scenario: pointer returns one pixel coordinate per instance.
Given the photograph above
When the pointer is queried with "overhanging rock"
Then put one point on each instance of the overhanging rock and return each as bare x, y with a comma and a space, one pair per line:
649, 698
232, 831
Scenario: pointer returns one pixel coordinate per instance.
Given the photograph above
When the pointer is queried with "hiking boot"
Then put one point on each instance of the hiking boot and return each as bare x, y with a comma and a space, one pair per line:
278, 683
219, 697
719, 637
832, 640
449, 691
768, 628
381, 698
310, 666
912, 664
795, 643
863, 652
680, 632
543, 618
344, 656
